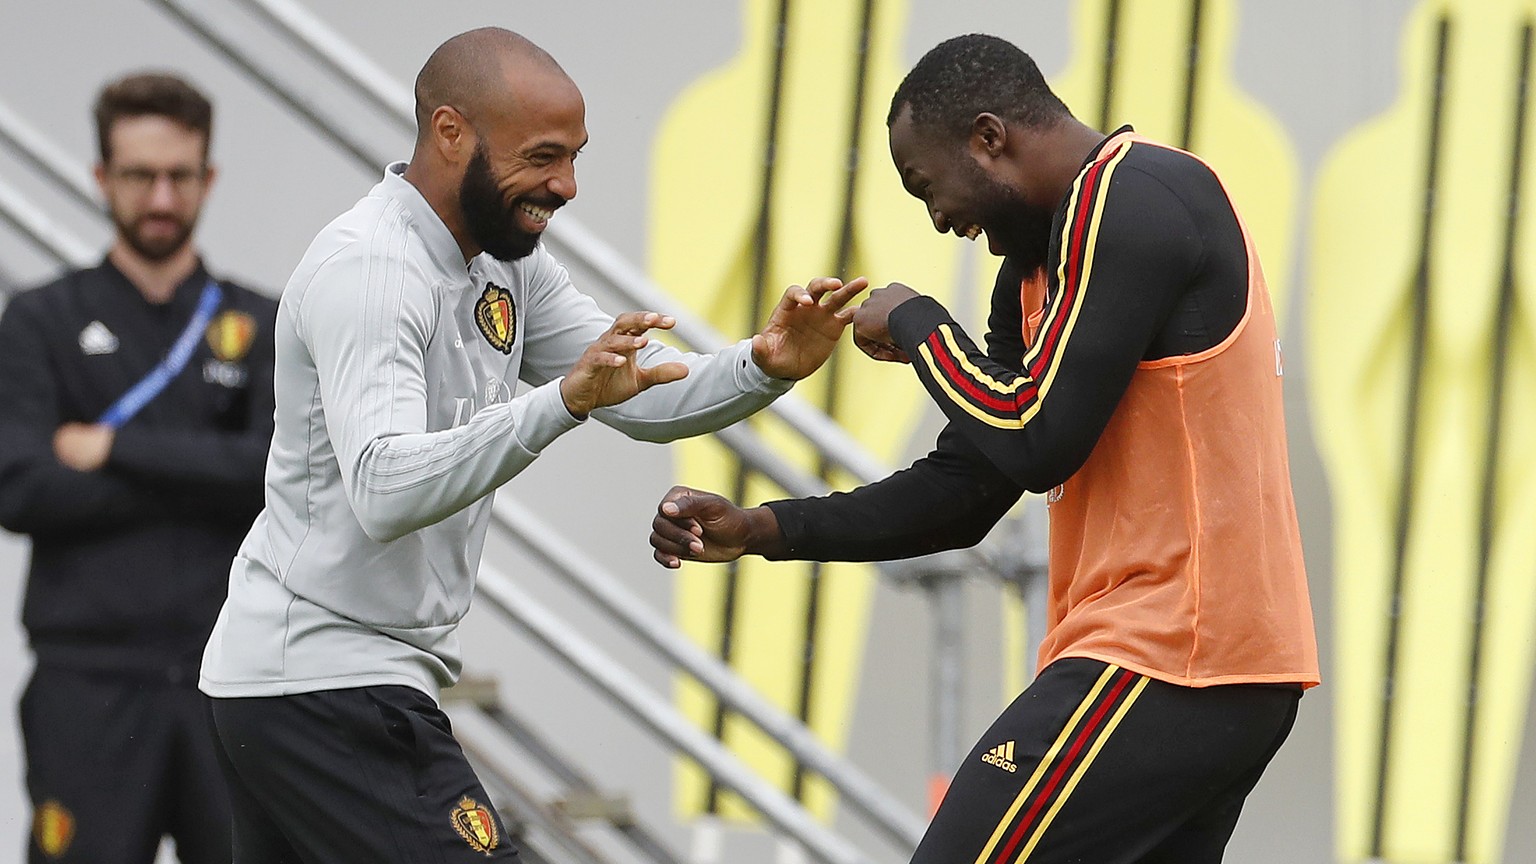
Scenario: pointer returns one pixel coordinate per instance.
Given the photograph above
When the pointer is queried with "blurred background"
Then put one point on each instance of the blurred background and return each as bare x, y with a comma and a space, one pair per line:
1376, 149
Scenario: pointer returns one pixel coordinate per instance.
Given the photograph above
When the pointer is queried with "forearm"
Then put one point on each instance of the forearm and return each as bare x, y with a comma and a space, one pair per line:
947, 500
721, 389
193, 459
399, 483
41, 499
1035, 428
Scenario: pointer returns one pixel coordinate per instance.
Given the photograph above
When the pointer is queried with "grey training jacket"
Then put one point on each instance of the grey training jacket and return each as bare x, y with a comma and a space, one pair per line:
396, 421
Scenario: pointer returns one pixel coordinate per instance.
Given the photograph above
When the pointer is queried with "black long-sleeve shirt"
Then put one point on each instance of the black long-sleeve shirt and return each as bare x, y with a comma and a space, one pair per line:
130, 563
1146, 260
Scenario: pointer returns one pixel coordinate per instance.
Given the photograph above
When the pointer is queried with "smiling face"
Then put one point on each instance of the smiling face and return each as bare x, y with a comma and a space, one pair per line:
523, 166
963, 197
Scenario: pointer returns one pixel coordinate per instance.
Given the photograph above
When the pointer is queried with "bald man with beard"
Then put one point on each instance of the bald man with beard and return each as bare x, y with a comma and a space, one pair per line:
399, 340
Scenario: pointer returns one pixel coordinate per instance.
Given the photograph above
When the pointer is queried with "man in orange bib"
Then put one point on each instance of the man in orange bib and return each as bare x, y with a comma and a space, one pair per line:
1132, 373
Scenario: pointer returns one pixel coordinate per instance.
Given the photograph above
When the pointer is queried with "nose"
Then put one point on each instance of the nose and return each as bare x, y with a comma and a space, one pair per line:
940, 221
162, 192
563, 183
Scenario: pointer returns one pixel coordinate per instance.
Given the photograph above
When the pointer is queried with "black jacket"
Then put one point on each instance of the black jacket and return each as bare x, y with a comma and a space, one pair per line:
130, 563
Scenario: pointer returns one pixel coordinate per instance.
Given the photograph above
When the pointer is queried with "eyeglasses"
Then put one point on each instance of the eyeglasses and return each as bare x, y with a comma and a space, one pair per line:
137, 180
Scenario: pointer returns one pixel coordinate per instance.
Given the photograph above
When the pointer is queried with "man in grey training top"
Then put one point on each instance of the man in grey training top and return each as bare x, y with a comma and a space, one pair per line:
399, 339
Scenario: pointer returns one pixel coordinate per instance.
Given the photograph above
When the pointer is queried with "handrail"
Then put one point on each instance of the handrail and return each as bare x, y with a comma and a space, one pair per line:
590, 663
199, 18
640, 838
543, 831
42, 232
341, 57
36, 150
594, 582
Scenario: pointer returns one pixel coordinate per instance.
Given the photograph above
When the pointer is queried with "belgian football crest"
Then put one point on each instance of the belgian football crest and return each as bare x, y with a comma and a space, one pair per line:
475, 824
53, 828
497, 317
230, 335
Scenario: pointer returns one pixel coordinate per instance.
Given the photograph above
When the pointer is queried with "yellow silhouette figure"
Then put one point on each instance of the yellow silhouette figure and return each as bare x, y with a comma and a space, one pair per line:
1138, 52
706, 221
1421, 355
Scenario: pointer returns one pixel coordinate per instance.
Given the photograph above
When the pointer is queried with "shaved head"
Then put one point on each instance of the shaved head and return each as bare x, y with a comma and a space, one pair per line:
498, 128
472, 71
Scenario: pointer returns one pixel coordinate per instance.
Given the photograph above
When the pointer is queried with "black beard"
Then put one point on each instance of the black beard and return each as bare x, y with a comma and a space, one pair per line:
158, 250
1022, 230
491, 222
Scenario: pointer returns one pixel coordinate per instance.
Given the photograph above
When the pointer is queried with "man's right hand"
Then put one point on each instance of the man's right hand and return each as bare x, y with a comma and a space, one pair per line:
607, 374
702, 526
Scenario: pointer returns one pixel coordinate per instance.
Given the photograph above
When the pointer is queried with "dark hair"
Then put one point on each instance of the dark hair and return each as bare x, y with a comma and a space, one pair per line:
968, 75
155, 94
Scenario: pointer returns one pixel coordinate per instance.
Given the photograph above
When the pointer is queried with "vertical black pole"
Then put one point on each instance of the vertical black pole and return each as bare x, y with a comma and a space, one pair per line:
829, 403
1111, 48
1191, 76
761, 260
1416, 350
1488, 500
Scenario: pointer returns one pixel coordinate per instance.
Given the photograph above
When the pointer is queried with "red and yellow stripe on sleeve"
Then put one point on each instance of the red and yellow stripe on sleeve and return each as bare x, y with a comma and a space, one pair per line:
1013, 400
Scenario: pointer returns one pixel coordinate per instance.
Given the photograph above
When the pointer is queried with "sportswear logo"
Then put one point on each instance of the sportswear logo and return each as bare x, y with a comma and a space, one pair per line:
97, 339
497, 317
1279, 361
231, 375
1001, 756
53, 828
476, 825
230, 335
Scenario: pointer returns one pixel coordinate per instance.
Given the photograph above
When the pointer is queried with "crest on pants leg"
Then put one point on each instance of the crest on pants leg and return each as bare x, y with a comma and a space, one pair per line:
53, 828
476, 825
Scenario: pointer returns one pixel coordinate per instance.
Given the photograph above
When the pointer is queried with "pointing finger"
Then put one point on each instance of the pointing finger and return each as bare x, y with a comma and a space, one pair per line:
839, 298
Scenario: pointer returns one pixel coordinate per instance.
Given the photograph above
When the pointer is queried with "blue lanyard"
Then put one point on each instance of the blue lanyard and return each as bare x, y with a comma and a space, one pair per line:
154, 383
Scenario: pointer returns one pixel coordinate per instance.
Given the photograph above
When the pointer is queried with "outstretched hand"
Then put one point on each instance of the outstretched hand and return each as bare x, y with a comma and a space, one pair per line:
607, 372
805, 327
701, 526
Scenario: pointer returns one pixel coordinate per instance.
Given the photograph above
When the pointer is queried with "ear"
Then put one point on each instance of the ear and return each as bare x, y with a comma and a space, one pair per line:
989, 135
211, 173
452, 135
100, 172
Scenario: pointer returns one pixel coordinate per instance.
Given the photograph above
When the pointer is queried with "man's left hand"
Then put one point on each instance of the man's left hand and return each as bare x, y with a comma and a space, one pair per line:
83, 446
805, 327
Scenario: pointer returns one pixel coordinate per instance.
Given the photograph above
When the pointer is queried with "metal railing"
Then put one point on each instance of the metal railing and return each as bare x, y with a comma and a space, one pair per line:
661, 718
41, 232
610, 595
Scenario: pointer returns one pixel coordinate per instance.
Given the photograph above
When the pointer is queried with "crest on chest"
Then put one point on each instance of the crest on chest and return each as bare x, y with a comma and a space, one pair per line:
496, 316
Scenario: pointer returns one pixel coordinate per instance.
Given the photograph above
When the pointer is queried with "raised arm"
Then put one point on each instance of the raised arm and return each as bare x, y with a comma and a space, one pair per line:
1121, 276
366, 330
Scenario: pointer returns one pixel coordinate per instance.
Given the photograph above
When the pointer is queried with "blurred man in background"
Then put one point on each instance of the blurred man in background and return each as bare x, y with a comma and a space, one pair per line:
135, 416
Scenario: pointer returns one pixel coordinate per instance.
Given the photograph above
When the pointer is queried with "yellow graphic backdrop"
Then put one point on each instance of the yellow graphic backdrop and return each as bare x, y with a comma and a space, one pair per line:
706, 192
1421, 354
1138, 52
